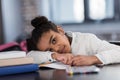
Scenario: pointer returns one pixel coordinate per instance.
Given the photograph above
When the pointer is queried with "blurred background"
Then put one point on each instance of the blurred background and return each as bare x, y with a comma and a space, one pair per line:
101, 17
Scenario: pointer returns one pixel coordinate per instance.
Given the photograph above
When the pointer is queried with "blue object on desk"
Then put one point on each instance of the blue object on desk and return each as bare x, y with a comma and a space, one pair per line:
18, 69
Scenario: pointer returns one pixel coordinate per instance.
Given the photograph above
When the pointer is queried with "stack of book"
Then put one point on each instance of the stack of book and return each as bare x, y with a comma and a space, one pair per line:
13, 62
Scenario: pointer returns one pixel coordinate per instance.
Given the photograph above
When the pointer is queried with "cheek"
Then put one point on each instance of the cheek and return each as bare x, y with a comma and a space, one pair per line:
39, 46
42, 46
64, 41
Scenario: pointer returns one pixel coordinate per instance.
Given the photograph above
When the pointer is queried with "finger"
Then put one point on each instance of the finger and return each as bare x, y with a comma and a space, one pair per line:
60, 58
76, 62
75, 58
69, 61
64, 61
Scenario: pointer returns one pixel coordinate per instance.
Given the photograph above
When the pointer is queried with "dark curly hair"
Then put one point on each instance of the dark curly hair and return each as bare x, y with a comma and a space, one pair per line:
41, 25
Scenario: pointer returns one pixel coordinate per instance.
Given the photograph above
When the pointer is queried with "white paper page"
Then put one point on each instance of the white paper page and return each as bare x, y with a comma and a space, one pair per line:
12, 54
82, 69
56, 65
69, 69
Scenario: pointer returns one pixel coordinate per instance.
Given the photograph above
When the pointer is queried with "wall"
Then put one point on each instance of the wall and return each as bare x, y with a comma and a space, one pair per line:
17, 15
108, 31
12, 19
1, 27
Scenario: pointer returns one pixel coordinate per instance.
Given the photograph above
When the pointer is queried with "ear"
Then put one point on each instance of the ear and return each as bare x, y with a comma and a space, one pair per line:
60, 30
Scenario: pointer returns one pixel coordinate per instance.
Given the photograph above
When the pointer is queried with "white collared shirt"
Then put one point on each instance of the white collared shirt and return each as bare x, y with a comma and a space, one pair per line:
85, 44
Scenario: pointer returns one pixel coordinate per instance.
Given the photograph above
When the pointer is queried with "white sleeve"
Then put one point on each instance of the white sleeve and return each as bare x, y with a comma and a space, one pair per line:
107, 53
40, 56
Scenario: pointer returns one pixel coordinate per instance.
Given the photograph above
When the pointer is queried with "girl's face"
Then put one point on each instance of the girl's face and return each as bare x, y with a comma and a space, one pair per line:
54, 41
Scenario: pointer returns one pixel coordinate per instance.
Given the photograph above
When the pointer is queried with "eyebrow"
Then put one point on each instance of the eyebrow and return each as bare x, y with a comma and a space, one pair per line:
50, 40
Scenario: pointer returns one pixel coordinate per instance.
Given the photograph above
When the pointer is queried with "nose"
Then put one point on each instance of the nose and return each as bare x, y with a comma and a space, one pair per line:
55, 48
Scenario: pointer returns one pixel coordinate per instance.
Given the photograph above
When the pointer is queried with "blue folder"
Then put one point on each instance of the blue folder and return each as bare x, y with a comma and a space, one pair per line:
18, 69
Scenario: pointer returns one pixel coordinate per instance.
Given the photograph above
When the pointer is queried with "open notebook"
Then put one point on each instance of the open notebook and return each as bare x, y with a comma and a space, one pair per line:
72, 70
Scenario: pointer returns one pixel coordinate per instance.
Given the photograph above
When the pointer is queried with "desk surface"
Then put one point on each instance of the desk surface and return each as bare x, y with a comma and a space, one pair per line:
110, 72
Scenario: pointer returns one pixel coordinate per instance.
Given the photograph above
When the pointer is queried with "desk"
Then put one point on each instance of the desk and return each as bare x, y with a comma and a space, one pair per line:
110, 72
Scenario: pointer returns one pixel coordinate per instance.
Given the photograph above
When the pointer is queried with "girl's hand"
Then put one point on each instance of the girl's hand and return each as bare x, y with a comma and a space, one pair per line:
64, 58
82, 60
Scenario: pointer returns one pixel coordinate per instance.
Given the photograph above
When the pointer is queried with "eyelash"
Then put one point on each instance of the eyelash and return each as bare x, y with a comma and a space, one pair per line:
51, 50
53, 41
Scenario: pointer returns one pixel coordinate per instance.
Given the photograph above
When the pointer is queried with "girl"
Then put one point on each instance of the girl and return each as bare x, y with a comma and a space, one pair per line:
72, 48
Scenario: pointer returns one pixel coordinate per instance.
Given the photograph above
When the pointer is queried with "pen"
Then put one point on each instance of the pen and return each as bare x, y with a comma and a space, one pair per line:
69, 70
